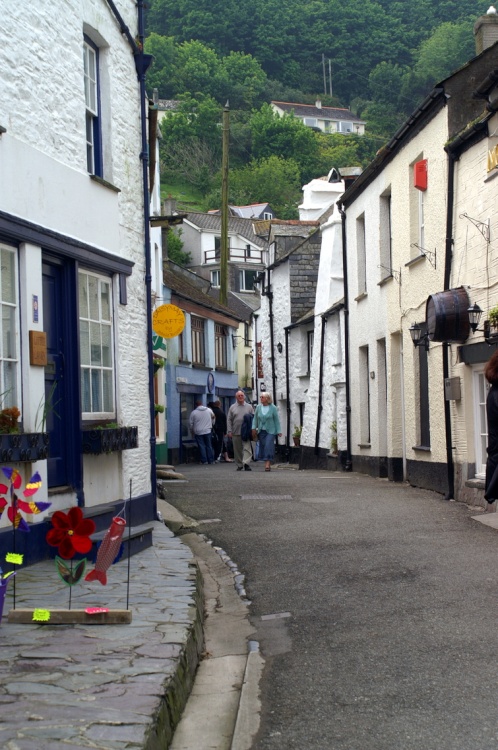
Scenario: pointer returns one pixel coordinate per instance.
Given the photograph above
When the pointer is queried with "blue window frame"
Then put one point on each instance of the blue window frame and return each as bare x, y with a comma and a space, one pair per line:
92, 108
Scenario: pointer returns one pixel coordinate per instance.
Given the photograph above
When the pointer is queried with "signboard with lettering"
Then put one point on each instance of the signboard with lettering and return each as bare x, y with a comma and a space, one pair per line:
168, 321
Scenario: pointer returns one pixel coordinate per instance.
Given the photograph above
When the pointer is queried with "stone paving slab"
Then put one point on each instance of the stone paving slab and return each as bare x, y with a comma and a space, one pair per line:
110, 687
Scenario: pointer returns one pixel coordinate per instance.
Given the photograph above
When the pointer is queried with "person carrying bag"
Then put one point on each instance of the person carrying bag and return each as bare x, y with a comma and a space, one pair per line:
266, 424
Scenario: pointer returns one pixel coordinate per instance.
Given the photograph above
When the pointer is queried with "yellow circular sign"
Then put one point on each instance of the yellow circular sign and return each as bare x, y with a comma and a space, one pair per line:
168, 321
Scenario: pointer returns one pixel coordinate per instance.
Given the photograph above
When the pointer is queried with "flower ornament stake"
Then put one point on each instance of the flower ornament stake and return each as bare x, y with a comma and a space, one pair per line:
70, 533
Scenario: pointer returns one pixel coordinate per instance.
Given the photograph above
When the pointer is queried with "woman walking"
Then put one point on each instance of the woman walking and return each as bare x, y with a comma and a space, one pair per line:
267, 425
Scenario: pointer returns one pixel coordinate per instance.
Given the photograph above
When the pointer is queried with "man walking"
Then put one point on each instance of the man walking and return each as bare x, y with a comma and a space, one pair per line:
201, 425
241, 442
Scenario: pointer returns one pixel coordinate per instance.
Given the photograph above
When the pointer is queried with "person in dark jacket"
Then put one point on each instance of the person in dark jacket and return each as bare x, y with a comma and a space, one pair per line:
219, 432
491, 375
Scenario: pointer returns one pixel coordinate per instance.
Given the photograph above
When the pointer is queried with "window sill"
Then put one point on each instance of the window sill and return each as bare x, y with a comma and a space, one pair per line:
198, 366
385, 280
224, 369
364, 445
361, 296
184, 362
423, 448
414, 261
104, 183
304, 375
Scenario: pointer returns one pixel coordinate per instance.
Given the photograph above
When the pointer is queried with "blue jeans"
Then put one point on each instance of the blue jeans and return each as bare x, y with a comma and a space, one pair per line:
205, 448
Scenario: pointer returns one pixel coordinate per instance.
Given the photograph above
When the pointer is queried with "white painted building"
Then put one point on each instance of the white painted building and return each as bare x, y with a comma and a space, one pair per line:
409, 265
73, 245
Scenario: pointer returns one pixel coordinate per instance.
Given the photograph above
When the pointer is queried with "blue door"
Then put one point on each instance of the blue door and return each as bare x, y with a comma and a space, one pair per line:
61, 391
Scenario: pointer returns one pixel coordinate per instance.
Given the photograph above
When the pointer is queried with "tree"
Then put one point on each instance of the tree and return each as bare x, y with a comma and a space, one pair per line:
174, 248
286, 137
159, 75
271, 180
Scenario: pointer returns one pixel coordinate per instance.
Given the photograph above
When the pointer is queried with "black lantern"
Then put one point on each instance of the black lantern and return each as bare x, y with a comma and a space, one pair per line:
280, 348
419, 337
475, 313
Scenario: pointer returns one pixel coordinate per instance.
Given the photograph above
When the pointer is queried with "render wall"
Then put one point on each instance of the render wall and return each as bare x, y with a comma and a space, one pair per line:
380, 317
45, 181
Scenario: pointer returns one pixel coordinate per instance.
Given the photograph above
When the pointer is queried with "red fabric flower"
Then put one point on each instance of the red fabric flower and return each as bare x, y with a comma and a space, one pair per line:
71, 533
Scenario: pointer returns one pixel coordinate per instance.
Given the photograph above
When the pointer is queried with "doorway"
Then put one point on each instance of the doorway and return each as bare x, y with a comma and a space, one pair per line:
61, 389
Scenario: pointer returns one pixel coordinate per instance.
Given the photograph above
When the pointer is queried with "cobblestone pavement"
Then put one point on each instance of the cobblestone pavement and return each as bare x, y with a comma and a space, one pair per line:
111, 687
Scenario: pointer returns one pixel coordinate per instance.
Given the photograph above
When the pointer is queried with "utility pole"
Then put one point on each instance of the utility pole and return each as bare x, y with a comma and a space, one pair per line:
324, 75
330, 75
224, 207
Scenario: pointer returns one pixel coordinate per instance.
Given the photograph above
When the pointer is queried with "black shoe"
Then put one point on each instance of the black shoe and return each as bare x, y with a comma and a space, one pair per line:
239, 468
247, 467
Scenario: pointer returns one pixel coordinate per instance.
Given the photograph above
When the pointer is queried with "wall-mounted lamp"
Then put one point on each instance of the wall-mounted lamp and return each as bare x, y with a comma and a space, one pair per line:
280, 348
419, 337
475, 313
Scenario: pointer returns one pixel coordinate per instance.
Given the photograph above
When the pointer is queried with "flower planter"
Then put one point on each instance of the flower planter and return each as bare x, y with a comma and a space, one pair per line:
24, 446
109, 440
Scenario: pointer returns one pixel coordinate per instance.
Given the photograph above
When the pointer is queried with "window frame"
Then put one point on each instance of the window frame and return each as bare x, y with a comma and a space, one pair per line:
94, 162
480, 388
102, 414
198, 338
10, 396
216, 273
341, 126
310, 339
242, 278
221, 346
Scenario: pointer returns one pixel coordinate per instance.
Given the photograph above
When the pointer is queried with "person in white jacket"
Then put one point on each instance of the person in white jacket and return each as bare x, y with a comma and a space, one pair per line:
201, 426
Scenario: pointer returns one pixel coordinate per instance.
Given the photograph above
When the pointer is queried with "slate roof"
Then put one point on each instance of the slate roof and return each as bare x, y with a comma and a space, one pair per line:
242, 307
322, 113
212, 222
188, 288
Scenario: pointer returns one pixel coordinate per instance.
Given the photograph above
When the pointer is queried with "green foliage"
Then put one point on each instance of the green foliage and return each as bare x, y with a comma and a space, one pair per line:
174, 248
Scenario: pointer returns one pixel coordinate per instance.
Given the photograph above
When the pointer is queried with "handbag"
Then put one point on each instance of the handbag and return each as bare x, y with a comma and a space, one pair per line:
254, 435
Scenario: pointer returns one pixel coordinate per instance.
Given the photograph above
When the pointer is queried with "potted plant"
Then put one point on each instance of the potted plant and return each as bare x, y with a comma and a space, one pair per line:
491, 325
158, 363
296, 435
17, 445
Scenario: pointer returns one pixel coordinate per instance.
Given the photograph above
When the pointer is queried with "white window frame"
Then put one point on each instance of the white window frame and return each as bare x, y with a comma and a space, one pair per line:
92, 108
198, 335
221, 347
310, 122
481, 388
242, 279
9, 360
216, 279
105, 369
421, 219
344, 127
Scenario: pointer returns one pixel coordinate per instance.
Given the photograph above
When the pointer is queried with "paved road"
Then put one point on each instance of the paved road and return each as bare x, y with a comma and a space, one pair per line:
387, 632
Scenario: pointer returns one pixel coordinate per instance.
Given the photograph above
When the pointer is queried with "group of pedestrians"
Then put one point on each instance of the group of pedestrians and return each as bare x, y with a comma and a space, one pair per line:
209, 425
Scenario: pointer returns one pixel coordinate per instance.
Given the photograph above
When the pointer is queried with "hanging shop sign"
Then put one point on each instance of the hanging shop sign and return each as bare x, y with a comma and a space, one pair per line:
168, 321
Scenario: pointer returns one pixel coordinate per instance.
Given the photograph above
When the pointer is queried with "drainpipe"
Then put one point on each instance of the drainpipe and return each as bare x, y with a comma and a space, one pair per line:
269, 294
446, 347
287, 390
142, 62
320, 387
347, 461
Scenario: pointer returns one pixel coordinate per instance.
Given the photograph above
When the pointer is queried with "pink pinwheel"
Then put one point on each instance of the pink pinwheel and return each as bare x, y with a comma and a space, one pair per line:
18, 506
71, 533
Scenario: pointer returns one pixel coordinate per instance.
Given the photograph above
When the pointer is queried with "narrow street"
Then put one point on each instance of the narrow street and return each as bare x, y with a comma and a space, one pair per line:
374, 604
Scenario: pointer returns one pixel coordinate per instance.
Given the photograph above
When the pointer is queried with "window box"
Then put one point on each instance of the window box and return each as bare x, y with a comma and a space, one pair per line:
109, 439
24, 446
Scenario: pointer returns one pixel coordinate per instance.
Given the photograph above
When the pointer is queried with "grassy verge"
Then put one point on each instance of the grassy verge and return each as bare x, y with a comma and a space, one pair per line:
187, 198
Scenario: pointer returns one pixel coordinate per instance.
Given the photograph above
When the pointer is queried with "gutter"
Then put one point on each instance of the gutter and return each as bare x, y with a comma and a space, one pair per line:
320, 387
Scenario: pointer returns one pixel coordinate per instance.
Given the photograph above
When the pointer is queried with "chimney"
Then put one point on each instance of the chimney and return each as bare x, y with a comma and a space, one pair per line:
486, 30
169, 206
318, 104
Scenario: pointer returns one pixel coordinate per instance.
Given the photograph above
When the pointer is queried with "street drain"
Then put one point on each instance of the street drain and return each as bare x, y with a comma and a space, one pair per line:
266, 497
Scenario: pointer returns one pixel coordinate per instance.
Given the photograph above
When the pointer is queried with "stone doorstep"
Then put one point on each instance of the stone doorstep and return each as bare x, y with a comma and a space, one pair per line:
488, 519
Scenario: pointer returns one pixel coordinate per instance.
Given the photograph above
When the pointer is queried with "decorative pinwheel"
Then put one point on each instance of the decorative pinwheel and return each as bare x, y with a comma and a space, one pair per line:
18, 506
